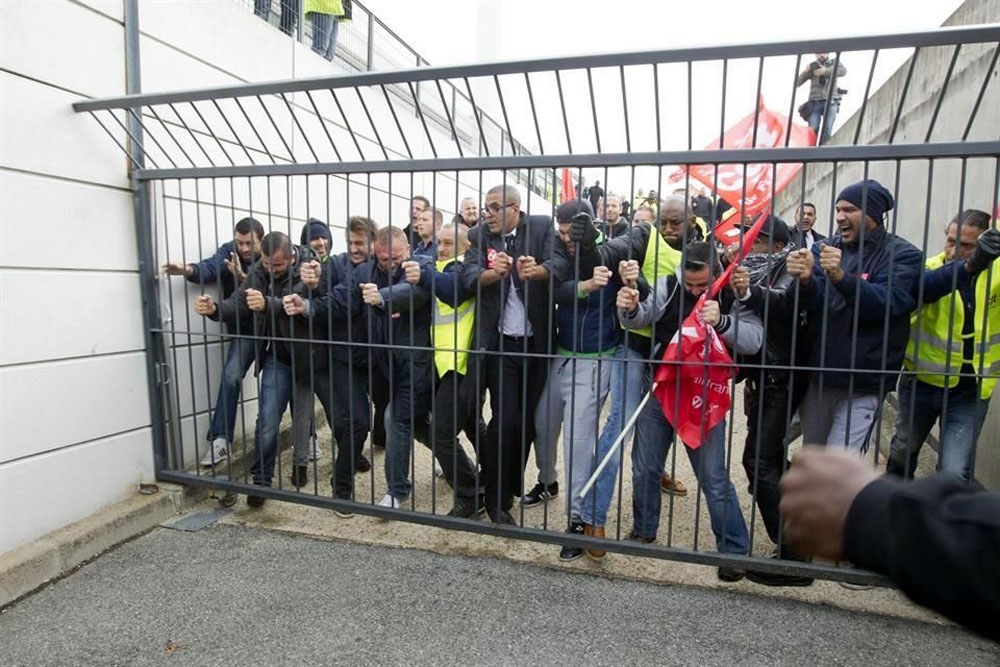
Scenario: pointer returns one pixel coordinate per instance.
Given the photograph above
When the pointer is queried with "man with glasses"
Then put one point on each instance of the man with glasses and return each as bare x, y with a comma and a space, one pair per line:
511, 261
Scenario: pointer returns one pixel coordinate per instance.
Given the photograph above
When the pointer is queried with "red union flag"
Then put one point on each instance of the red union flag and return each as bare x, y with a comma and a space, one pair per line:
568, 192
693, 385
750, 188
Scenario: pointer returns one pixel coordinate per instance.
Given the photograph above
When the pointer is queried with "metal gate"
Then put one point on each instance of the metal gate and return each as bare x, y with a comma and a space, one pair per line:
364, 145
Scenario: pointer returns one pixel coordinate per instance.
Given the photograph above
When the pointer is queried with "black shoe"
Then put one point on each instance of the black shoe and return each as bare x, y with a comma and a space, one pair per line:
635, 537
255, 501
568, 553
730, 574
774, 579
300, 476
362, 464
540, 494
502, 518
466, 508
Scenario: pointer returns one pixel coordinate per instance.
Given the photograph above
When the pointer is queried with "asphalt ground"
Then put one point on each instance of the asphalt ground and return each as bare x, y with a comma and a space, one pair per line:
233, 595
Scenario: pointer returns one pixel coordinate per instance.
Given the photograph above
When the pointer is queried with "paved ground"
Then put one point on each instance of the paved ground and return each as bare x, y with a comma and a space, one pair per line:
230, 595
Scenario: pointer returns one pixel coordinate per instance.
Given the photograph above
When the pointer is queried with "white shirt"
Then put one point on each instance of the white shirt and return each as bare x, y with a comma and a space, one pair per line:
514, 321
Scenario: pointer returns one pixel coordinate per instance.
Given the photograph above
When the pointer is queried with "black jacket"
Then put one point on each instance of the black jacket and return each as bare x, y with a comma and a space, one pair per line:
536, 237
938, 539
883, 313
797, 236
776, 299
404, 320
213, 270
339, 314
272, 327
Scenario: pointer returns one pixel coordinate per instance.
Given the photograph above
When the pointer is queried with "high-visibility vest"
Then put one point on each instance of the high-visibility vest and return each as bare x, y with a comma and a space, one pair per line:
934, 361
332, 7
452, 330
660, 260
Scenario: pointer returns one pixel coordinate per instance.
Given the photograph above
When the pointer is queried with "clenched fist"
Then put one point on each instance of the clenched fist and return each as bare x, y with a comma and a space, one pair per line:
800, 264
502, 264
740, 281
256, 301
309, 274
370, 294
528, 268
628, 299
629, 272
204, 305
294, 305
411, 271
829, 261
711, 313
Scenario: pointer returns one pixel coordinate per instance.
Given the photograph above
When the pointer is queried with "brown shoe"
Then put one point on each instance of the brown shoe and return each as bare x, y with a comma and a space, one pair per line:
672, 486
594, 531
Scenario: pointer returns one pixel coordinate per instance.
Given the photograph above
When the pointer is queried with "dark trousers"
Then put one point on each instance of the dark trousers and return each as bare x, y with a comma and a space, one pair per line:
515, 383
764, 456
455, 409
380, 399
350, 428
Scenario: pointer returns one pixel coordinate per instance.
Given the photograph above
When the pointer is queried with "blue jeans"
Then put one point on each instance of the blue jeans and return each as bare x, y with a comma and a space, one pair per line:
817, 115
398, 448
920, 407
238, 360
324, 34
627, 376
653, 436
275, 394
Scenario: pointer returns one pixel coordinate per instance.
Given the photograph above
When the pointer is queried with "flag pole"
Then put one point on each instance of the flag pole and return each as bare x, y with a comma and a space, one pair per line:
617, 443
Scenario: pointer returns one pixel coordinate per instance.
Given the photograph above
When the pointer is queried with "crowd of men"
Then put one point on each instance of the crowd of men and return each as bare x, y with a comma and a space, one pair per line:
405, 335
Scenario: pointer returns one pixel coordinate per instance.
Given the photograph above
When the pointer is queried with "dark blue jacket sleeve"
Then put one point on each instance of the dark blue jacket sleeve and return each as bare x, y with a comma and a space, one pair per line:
938, 282
938, 540
207, 270
448, 286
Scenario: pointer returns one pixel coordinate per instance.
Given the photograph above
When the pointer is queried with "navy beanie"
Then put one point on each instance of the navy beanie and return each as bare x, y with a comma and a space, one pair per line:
314, 229
566, 211
877, 200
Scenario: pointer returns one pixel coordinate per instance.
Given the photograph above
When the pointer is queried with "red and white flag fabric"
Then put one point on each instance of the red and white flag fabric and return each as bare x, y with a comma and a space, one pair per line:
693, 385
749, 188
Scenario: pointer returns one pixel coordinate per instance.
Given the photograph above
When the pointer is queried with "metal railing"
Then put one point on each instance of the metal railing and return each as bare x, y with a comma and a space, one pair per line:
284, 152
366, 43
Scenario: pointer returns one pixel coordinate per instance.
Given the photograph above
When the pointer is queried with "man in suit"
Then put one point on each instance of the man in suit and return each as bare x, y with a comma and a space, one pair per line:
802, 234
511, 261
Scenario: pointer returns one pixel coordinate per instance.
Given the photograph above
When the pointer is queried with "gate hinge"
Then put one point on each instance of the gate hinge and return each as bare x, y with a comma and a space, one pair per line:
162, 371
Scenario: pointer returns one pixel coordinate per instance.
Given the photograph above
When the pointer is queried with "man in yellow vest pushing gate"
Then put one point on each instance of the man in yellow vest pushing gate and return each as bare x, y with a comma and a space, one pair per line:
952, 360
456, 400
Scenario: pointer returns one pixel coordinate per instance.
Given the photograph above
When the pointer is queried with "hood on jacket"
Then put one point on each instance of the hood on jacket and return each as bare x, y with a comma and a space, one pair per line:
315, 228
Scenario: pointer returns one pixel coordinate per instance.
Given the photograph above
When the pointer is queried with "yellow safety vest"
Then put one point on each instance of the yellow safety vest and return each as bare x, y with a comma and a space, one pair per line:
934, 361
452, 330
660, 260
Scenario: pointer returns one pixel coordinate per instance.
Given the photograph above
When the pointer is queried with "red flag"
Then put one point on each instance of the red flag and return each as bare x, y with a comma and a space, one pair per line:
568, 192
749, 187
699, 400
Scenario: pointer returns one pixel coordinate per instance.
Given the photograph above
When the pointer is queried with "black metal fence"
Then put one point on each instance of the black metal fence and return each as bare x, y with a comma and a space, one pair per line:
286, 152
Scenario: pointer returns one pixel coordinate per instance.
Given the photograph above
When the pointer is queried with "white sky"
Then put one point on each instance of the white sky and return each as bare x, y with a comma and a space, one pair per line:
466, 31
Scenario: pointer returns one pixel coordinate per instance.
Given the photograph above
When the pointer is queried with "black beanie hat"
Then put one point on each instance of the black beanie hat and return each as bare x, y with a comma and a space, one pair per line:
314, 229
877, 200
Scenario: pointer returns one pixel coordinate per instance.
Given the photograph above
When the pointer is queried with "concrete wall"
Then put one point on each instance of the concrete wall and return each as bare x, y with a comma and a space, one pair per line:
75, 430
923, 209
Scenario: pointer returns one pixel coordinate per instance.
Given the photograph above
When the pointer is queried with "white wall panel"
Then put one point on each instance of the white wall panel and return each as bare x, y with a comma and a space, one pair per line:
76, 64
39, 131
52, 405
60, 314
48, 221
43, 493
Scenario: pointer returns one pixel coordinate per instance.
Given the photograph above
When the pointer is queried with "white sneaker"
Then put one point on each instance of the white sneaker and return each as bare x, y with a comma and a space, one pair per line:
389, 501
438, 470
216, 453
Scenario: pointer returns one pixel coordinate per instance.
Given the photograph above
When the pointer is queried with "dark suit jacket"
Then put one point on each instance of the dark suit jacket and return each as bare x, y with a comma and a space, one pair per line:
797, 237
536, 237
